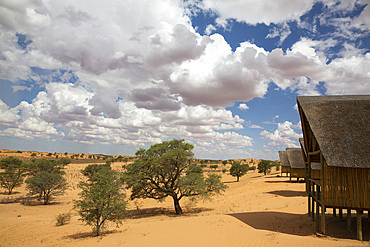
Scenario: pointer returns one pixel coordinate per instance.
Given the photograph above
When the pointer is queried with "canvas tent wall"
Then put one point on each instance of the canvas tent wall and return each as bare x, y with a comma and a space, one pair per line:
336, 134
285, 167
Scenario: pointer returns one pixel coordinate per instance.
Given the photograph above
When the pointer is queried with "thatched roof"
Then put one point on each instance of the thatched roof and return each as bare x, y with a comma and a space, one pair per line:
283, 158
340, 125
295, 157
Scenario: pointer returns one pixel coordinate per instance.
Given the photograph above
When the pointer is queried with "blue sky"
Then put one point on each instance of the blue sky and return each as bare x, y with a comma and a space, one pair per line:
88, 77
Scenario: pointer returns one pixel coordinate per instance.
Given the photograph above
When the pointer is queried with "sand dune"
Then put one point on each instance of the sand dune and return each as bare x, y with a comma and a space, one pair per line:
257, 211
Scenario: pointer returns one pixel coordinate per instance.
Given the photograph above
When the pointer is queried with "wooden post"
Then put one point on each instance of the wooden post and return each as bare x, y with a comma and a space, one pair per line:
341, 213
359, 226
349, 220
317, 208
313, 202
308, 184
323, 227
334, 212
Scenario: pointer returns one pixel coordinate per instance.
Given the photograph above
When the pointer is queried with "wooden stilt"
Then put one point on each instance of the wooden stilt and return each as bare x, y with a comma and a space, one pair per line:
349, 220
309, 204
341, 213
313, 203
359, 225
323, 226
317, 217
334, 212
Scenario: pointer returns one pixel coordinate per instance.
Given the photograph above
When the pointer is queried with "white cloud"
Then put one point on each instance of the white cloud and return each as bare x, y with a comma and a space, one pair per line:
282, 31
21, 88
243, 106
254, 12
143, 74
283, 136
209, 29
9, 117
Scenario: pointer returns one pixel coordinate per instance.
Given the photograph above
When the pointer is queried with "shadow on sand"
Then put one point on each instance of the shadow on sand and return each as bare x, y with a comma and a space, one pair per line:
301, 224
288, 193
82, 235
159, 211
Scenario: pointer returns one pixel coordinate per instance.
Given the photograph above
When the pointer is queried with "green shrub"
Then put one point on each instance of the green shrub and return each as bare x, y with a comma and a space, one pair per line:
13, 174
63, 219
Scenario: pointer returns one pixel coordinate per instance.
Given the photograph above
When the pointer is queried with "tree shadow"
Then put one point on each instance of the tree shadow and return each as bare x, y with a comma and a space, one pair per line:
82, 235
301, 224
7, 194
286, 181
288, 193
230, 182
160, 211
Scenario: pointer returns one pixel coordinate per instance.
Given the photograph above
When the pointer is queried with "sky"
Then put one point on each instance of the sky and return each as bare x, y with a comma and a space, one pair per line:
110, 77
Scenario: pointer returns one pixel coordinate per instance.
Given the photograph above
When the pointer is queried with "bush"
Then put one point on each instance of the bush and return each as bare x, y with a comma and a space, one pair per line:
91, 170
101, 200
64, 161
213, 166
13, 174
63, 219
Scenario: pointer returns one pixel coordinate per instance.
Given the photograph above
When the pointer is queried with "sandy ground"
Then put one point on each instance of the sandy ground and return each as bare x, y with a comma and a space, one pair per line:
257, 211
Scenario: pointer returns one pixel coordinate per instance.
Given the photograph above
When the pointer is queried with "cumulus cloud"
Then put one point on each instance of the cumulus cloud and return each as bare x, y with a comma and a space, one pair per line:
243, 106
138, 72
255, 12
283, 136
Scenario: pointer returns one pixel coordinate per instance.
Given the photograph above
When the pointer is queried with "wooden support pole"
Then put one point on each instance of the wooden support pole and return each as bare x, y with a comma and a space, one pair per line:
317, 228
323, 227
359, 225
341, 213
349, 220
334, 212
313, 203
309, 204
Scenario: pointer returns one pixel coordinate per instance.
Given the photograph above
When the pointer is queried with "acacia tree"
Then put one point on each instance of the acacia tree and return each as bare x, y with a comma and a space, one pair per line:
13, 174
46, 185
264, 166
46, 179
165, 170
238, 170
101, 200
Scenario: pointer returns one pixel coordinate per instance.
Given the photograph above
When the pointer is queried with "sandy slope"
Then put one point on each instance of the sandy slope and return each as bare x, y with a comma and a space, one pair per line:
257, 211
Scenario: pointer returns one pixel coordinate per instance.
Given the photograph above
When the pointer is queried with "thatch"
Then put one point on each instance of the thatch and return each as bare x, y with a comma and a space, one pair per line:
295, 157
340, 125
283, 158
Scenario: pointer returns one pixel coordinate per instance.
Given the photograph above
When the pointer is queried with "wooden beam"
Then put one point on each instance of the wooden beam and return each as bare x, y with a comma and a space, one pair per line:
341, 213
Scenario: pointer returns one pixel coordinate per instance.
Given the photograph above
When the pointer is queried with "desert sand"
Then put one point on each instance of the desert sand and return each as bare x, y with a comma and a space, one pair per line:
257, 211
